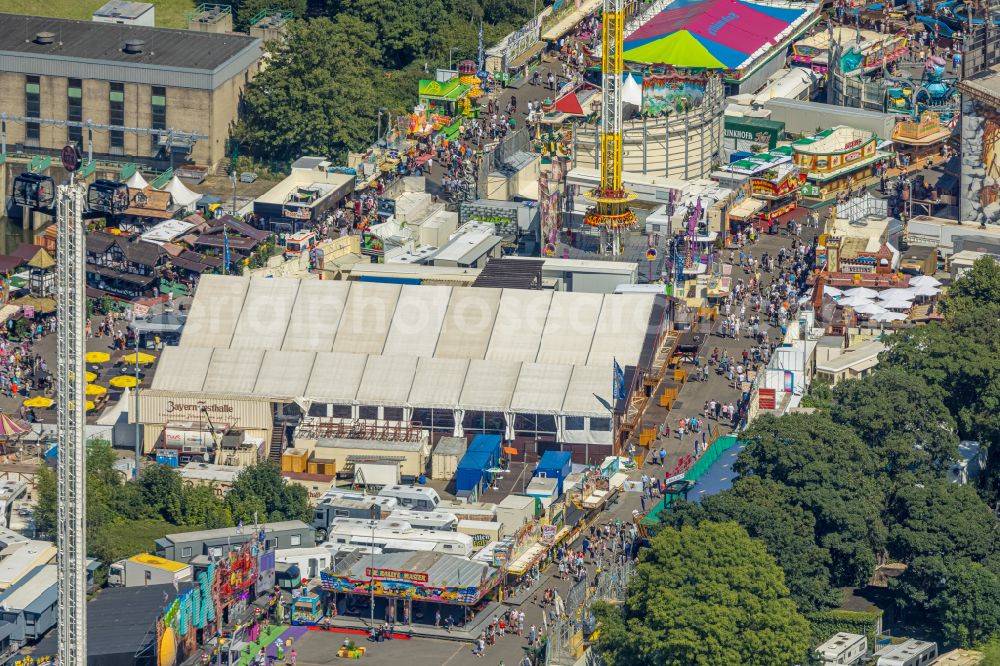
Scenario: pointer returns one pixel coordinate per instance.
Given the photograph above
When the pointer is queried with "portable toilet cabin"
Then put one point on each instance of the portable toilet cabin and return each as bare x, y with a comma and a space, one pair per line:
555, 465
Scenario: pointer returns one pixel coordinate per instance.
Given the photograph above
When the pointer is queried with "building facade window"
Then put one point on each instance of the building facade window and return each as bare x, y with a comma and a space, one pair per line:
74, 110
436, 420
116, 116
532, 425
158, 104
32, 109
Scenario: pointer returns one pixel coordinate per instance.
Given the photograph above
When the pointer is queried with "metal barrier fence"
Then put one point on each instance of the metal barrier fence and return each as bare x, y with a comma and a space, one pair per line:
566, 644
494, 158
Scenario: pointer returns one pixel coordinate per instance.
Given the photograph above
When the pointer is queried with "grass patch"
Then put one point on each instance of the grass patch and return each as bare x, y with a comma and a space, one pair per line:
118, 540
169, 13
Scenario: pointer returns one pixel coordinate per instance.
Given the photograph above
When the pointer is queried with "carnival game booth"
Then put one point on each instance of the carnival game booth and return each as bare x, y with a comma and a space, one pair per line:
743, 41
778, 188
409, 587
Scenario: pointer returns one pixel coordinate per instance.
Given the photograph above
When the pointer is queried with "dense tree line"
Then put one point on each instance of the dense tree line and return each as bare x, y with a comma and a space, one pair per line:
125, 517
861, 482
321, 87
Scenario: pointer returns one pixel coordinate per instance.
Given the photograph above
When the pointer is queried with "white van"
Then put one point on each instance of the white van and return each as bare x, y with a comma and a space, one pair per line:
412, 497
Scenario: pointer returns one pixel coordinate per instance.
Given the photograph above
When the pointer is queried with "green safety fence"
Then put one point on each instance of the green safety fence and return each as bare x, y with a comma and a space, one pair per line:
698, 469
126, 171
163, 178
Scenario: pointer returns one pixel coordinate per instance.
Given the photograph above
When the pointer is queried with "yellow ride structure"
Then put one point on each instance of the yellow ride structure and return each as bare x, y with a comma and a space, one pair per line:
611, 213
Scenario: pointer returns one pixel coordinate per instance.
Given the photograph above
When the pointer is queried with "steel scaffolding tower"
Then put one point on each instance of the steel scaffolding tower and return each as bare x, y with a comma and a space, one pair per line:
611, 213
72, 490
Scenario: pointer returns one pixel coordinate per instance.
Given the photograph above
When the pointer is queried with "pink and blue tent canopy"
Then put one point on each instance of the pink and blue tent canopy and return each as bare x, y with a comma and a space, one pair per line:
714, 34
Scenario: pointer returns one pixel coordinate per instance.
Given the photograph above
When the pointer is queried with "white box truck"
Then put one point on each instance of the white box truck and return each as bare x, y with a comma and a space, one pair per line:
147, 569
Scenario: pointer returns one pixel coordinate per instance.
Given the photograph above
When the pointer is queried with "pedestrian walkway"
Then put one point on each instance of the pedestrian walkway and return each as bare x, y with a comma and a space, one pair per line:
266, 638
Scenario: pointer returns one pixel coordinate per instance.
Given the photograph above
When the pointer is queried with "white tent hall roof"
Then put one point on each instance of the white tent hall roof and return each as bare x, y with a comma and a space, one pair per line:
428, 347
265, 315
588, 380
182, 369
417, 320
316, 315
387, 380
468, 324
214, 312
541, 388
489, 385
233, 371
438, 383
620, 331
335, 377
367, 317
520, 321
569, 328
284, 373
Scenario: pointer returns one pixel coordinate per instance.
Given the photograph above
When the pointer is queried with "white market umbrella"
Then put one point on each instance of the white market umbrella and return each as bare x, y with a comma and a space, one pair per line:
832, 291
889, 316
895, 294
870, 309
863, 292
926, 290
896, 304
136, 181
925, 281
853, 301
181, 195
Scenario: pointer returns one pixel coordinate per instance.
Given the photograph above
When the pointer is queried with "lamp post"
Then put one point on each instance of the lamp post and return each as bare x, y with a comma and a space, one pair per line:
371, 577
138, 436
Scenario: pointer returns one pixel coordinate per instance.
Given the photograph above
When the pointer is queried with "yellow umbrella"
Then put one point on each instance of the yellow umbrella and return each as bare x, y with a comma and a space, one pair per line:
97, 357
91, 376
123, 381
141, 358
94, 389
89, 406
38, 401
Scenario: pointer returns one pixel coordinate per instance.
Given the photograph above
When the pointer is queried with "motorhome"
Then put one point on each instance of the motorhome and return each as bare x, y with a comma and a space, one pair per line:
843, 649
397, 536
412, 497
426, 520
338, 504
908, 653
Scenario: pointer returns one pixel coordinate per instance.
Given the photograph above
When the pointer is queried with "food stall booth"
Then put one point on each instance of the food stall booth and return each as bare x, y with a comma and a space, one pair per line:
409, 587
778, 188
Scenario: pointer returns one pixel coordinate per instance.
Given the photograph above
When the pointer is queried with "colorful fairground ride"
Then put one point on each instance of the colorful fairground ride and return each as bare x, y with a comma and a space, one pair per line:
556, 143
443, 105
933, 92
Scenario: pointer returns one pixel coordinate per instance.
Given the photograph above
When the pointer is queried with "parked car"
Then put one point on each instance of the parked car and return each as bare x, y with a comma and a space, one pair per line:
248, 177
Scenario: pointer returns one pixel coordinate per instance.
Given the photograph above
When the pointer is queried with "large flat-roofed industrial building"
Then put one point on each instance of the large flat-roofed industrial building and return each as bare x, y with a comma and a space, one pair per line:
58, 75
533, 366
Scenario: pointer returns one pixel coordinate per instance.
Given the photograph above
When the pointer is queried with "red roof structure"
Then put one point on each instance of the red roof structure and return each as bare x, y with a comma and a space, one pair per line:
569, 103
